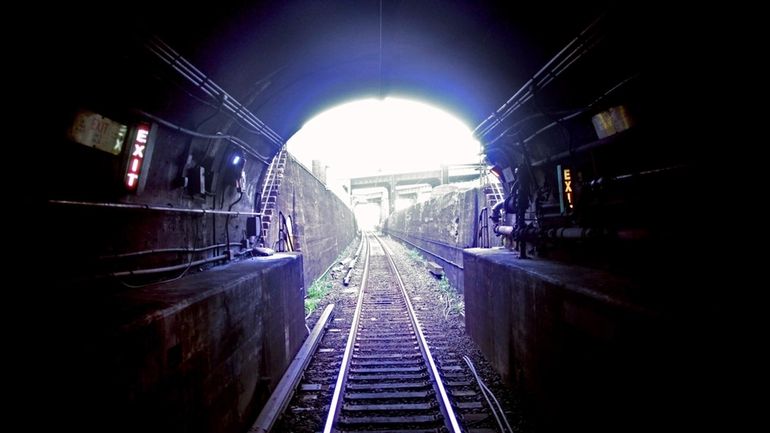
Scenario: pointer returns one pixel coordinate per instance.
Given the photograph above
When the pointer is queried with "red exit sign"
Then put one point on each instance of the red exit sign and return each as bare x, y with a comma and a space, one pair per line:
136, 157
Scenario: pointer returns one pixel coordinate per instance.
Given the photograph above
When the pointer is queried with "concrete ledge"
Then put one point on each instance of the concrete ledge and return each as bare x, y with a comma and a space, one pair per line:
595, 284
140, 307
200, 354
590, 351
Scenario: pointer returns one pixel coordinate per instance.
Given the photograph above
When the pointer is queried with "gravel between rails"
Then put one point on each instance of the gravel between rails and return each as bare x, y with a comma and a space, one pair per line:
429, 297
422, 284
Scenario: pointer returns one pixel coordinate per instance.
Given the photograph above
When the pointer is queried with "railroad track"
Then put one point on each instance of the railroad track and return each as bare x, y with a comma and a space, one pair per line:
376, 371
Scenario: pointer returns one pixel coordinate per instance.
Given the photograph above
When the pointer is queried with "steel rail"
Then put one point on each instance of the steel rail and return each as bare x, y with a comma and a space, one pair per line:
450, 419
280, 398
336, 403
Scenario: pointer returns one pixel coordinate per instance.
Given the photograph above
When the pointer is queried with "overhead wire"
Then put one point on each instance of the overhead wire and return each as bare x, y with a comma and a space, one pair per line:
380, 63
231, 138
574, 50
174, 60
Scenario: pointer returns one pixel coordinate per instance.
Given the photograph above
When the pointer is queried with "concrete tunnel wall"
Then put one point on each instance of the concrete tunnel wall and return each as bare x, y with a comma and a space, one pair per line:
324, 225
443, 225
200, 354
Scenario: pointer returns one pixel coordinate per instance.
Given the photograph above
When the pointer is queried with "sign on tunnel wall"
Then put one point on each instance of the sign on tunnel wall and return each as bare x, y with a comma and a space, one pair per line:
99, 132
566, 194
131, 145
139, 152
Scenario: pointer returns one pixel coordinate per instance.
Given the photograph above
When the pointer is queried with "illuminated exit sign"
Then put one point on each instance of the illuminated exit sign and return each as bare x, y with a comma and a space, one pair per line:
568, 186
565, 188
139, 150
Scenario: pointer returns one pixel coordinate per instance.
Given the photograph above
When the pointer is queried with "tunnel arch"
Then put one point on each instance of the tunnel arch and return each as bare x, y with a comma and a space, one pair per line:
288, 62
284, 62
302, 58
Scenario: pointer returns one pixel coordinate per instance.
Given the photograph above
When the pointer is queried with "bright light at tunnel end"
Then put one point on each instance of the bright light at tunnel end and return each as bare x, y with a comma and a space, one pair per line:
373, 136
364, 137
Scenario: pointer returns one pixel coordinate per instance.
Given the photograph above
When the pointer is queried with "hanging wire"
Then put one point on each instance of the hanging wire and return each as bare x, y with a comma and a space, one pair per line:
380, 64
496, 409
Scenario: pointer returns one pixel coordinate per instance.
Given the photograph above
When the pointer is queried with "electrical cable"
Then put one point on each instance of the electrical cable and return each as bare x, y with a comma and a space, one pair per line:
487, 394
187, 70
218, 106
139, 286
233, 139
161, 251
574, 50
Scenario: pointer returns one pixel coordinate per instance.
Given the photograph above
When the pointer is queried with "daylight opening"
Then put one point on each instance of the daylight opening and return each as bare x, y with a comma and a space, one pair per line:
374, 137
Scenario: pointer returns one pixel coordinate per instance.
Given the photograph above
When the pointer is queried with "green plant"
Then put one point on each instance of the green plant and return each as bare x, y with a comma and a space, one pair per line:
453, 303
414, 255
323, 285
445, 286
315, 292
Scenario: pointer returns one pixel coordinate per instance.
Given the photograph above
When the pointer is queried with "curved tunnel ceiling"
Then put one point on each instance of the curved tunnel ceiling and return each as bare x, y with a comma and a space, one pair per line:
299, 58
466, 57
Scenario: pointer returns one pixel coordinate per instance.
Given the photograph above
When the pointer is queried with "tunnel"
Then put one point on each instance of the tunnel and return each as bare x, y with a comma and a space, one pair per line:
187, 236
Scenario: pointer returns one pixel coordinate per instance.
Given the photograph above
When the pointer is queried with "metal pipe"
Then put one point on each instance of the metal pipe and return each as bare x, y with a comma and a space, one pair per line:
504, 230
149, 207
571, 233
166, 250
352, 264
575, 233
349, 272
167, 268
497, 211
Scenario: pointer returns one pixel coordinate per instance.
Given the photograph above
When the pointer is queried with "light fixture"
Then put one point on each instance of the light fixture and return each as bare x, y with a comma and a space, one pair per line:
234, 171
